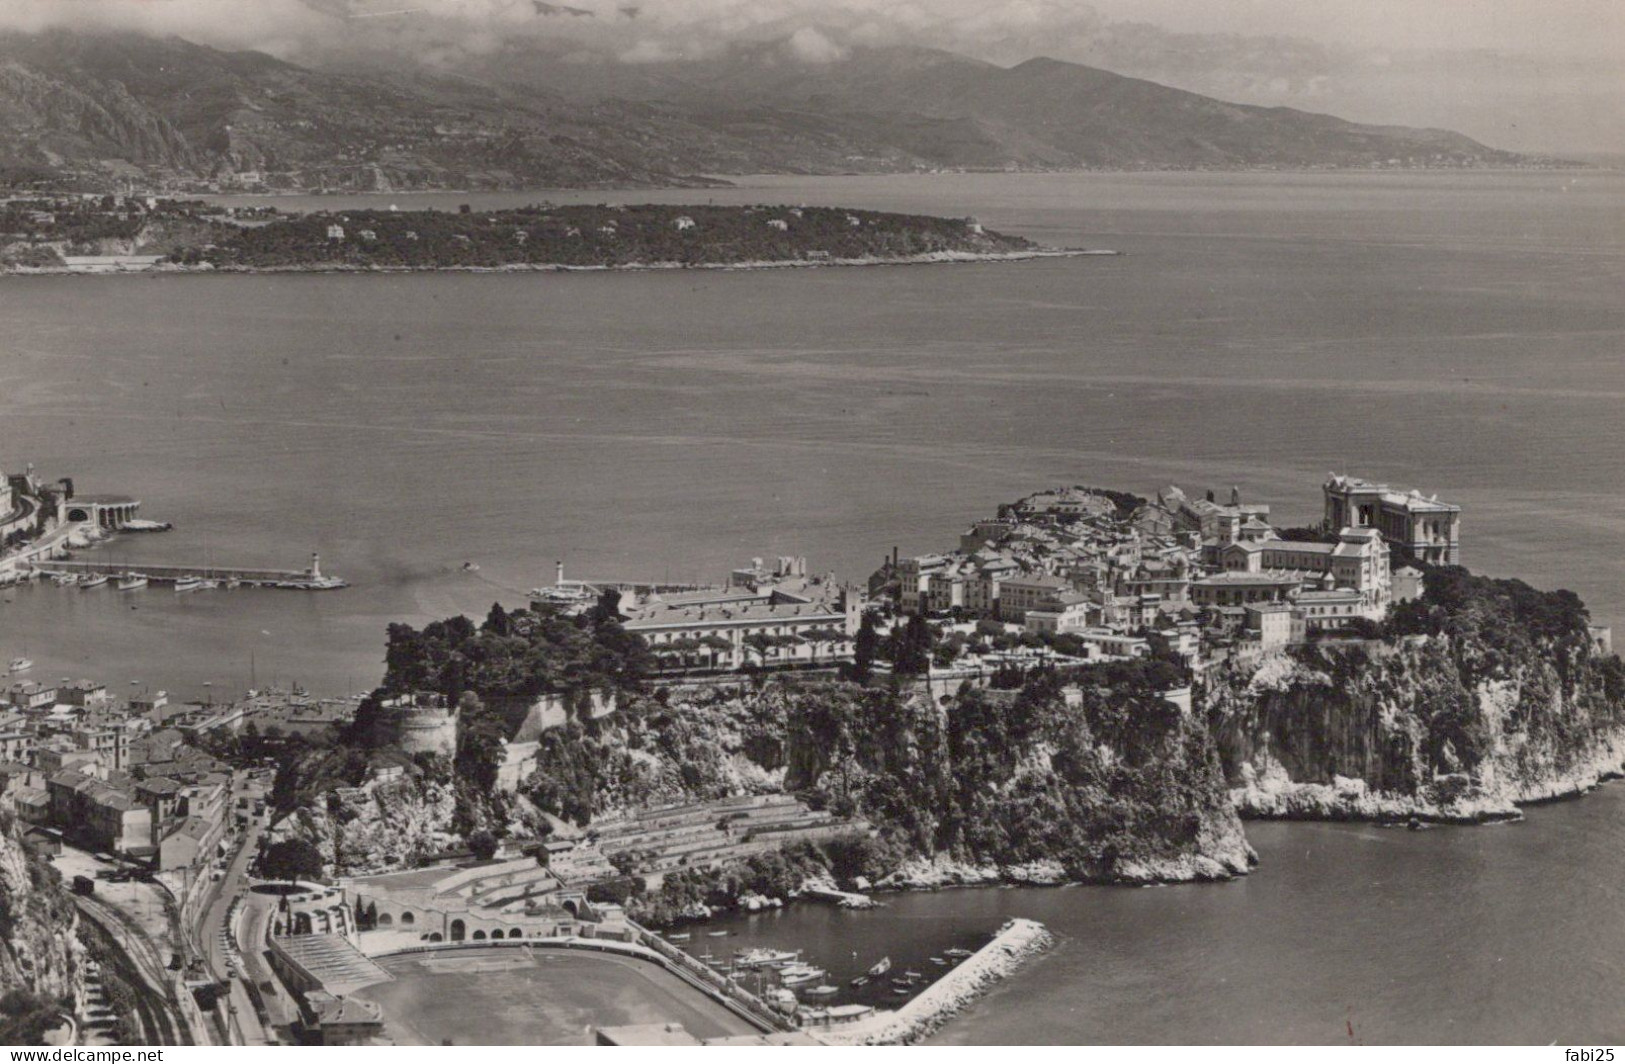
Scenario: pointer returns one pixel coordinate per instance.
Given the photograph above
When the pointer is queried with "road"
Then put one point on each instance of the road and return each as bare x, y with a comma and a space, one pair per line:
214, 938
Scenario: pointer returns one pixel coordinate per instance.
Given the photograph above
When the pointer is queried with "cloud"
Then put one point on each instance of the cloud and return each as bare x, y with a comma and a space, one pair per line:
810, 46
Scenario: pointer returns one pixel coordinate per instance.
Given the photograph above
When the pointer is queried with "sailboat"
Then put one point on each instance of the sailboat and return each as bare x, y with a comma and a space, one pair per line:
880, 968
131, 582
92, 580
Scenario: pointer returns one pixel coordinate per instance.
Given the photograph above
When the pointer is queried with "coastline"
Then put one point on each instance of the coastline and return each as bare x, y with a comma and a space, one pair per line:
1274, 796
935, 258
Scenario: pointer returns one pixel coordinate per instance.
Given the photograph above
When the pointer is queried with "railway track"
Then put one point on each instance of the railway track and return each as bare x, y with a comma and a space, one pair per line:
138, 965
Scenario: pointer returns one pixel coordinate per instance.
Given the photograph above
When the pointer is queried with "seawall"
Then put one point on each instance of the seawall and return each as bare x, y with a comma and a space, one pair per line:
1016, 941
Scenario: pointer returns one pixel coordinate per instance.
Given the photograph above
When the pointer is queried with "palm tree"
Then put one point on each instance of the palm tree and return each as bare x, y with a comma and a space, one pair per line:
761, 643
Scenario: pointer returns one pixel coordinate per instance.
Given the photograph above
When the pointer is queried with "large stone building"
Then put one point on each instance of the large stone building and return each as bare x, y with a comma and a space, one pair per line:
770, 617
1357, 562
1428, 528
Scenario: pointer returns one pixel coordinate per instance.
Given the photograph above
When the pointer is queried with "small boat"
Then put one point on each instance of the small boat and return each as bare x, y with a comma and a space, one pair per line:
92, 580
765, 958
902, 991
902, 982
938, 960
860, 980
716, 934
233, 583
956, 953
824, 990
188, 583
21, 664
679, 936
65, 579
882, 967
800, 976
132, 582
911, 975
471, 567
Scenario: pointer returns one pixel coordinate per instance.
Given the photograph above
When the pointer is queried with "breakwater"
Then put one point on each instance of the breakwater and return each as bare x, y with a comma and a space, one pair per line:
1015, 943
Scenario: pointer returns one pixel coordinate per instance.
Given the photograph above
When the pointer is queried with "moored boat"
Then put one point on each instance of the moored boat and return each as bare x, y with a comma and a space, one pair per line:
801, 975
881, 967
956, 953
21, 664
823, 990
188, 583
132, 582
92, 580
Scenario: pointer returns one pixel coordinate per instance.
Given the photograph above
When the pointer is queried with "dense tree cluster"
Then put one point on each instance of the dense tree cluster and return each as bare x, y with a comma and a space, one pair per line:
585, 235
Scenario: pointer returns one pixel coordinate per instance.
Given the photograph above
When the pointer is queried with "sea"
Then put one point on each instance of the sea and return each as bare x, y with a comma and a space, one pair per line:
442, 441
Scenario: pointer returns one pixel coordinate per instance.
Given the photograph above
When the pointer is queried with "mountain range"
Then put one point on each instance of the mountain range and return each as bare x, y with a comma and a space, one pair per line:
104, 107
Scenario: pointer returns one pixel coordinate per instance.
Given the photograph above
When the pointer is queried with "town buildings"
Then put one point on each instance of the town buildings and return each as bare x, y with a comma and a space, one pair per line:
127, 777
1101, 570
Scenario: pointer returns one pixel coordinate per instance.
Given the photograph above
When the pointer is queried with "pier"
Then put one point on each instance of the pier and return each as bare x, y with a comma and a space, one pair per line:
1016, 942
311, 579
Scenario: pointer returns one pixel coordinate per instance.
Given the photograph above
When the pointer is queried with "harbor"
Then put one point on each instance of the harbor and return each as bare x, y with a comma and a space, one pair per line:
133, 577
889, 1001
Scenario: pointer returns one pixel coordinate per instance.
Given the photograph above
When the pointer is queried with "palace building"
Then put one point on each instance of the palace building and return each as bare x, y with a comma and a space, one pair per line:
1428, 528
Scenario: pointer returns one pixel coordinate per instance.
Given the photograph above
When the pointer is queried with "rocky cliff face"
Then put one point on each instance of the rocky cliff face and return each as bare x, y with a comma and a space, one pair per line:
1470, 707
39, 952
1116, 786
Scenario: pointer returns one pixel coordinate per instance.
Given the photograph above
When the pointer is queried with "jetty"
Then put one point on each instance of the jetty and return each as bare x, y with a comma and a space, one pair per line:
846, 899
311, 579
1016, 941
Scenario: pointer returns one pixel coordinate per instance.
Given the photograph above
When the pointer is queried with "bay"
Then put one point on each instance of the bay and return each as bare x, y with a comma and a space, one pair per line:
1456, 332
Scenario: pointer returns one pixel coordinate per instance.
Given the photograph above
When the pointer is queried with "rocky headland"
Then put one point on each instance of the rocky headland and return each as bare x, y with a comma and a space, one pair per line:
1482, 696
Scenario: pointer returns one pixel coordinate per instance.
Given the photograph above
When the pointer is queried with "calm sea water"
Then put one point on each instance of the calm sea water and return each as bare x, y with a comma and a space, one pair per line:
1507, 934
1460, 333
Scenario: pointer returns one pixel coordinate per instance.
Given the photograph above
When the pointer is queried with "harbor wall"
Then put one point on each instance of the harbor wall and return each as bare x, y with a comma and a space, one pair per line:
1015, 943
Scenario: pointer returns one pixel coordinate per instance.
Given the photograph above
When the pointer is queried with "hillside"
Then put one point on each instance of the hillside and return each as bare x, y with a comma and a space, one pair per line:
108, 106
105, 107
939, 109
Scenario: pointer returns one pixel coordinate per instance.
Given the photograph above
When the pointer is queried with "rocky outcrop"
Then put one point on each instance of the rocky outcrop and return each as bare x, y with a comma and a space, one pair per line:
1117, 785
39, 952
1459, 724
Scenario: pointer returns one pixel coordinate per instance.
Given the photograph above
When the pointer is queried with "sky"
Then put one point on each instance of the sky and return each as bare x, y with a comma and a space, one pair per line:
1531, 75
